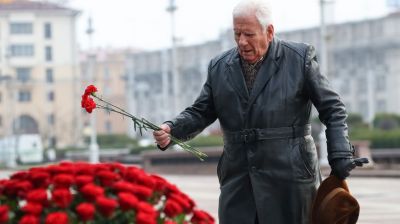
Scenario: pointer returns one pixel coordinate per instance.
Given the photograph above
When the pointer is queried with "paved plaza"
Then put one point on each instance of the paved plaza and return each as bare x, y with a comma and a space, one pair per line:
379, 198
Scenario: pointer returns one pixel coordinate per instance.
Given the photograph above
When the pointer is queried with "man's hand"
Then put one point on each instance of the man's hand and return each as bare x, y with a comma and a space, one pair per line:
341, 167
162, 136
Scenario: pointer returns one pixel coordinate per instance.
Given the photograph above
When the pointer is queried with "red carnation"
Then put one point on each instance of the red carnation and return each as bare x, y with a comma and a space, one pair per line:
160, 184
82, 180
57, 218
106, 206
91, 191
145, 218
200, 216
22, 188
107, 178
57, 169
63, 180
146, 208
90, 90
21, 175
124, 186
62, 197
39, 179
85, 211
172, 208
32, 208
29, 219
88, 103
3, 213
184, 201
127, 201
142, 192
38, 196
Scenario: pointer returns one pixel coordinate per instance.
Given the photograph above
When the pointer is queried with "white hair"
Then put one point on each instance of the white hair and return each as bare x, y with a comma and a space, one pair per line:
260, 8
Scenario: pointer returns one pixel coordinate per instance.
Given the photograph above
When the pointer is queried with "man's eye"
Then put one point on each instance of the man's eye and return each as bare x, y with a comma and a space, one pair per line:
249, 34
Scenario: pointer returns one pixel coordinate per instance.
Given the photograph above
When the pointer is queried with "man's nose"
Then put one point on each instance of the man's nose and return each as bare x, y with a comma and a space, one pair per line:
242, 40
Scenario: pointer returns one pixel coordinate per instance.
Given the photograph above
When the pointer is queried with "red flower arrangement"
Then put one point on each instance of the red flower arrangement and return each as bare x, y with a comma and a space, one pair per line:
89, 105
131, 196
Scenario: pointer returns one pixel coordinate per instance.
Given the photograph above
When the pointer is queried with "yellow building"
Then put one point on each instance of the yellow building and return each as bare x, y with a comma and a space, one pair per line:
39, 72
105, 68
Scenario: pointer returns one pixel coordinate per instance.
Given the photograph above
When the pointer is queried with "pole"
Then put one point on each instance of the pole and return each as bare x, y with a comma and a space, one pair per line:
323, 149
12, 137
174, 68
93, 147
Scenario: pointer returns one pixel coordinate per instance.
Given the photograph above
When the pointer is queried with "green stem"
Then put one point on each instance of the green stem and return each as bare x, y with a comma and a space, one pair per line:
145, 124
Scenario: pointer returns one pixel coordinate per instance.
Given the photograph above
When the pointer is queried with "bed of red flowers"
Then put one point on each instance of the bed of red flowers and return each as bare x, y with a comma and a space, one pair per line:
84, 193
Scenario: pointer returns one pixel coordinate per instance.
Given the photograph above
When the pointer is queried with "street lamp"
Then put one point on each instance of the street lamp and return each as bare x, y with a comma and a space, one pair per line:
10, 139
323, 149
93, 147
174, 64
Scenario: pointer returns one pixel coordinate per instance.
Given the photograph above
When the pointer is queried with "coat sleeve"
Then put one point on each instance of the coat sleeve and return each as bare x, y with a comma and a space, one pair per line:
198, 116
331, 109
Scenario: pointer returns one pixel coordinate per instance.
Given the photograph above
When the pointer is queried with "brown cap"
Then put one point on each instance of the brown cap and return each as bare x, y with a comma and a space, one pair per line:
334, 204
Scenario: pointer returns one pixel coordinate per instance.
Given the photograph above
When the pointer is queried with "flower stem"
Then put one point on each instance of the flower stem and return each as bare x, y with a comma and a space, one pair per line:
145, 124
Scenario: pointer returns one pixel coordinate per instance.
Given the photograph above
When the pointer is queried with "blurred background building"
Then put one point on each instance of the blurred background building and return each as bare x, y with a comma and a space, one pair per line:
39, 71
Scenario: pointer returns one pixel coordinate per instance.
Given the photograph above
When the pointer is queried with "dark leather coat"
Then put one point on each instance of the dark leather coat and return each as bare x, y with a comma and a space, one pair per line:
270, 180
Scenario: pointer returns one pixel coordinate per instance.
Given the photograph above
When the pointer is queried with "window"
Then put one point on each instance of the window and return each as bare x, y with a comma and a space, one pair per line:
380, 83
21, 50
381, 106
108, 127
47, 30
50, 96
49, 75
49, 54
362, 85
23, 74
50, 119
106, 73
24, 96
21, 28
53, 142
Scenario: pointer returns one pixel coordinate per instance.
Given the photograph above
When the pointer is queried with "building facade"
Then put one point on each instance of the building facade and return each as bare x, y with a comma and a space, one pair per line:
105, 68
39, 72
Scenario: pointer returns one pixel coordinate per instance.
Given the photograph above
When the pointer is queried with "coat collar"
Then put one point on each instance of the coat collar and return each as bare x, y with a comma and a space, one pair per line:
269, 67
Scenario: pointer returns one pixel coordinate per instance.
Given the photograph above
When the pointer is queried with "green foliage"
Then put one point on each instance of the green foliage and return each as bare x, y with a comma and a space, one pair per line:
114, 141
355, 121
379, 138
204, 141
387, 121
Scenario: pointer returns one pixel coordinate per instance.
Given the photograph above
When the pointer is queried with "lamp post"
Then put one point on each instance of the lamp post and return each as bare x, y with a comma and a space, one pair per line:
10, 140
174, 65
323, 149
93, 146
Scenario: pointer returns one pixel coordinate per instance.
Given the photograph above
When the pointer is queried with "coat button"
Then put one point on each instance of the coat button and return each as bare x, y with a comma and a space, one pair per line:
254, 169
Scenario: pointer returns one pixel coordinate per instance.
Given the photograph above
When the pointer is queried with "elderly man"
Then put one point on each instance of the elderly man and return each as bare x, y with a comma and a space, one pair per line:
262, 92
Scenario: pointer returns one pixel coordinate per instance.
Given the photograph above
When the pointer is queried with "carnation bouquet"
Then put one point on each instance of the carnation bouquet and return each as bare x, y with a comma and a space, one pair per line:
83, 193
89, 105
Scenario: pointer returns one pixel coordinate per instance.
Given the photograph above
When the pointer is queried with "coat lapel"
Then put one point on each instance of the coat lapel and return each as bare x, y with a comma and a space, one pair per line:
235, 75
267, 70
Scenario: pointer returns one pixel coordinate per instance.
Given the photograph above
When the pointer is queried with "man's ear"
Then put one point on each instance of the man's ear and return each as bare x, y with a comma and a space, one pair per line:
270, 32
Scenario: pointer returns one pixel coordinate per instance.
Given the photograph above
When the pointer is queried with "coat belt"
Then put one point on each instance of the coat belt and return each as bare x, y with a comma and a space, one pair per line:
255, 134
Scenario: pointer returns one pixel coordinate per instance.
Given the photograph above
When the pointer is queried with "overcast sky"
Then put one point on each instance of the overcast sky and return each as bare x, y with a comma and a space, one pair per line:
145, 24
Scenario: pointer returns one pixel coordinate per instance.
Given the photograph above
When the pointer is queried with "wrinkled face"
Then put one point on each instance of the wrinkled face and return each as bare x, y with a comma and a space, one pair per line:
251, 39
